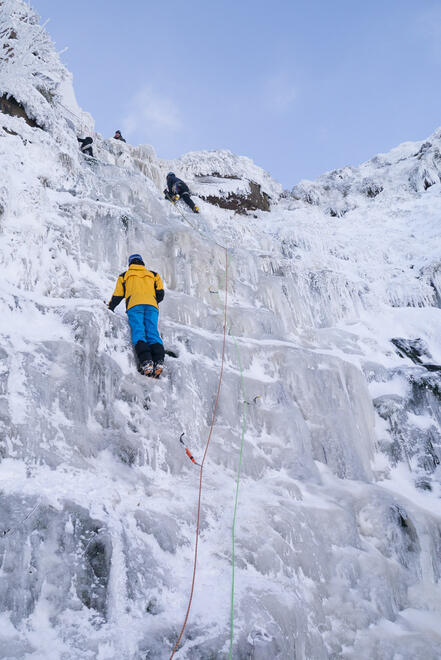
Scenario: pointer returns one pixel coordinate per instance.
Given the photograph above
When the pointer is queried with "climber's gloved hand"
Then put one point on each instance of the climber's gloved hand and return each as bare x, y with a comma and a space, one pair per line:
176, 197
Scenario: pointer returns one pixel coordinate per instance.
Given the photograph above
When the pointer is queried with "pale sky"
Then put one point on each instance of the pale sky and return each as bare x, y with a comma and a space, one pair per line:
299, 86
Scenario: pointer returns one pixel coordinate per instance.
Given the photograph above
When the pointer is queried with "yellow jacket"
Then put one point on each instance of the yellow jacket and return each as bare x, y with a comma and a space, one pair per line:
138, 286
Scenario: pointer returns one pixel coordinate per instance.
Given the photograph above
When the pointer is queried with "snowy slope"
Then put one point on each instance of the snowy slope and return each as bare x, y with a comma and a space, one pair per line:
338, 539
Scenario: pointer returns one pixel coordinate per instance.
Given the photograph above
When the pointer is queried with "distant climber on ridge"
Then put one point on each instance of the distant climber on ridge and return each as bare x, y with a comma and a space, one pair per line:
86, 145
143, 290
176, 188
118, 136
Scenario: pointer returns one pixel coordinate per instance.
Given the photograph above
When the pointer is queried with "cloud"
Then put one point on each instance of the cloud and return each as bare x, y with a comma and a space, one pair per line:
150, 114
280, 93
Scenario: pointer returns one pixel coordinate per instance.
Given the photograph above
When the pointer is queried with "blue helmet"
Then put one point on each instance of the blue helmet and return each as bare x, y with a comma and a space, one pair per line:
170, 174
135, 257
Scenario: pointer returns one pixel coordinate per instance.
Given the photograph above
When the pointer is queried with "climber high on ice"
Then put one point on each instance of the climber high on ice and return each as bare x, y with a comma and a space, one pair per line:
176, 188
118, 136
86, 145
143, 290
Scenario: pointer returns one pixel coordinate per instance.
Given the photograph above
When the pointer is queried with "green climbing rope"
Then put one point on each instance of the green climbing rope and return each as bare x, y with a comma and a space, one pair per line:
242, 442
239, 469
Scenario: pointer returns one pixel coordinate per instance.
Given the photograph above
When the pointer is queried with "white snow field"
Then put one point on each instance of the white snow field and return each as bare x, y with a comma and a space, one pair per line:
338, 534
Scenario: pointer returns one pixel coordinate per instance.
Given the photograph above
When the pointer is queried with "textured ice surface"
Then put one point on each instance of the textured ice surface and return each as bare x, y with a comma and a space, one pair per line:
338, 551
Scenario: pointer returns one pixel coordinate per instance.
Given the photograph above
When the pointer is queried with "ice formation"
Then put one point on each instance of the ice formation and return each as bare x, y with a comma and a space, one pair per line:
334, 307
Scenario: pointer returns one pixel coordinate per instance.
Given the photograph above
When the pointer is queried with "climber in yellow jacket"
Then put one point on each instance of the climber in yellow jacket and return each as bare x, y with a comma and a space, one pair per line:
143, 290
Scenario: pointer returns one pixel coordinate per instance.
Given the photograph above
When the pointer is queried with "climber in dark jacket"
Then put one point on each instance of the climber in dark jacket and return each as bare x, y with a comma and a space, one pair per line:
118, 136
143, 290
176, 188
86, 145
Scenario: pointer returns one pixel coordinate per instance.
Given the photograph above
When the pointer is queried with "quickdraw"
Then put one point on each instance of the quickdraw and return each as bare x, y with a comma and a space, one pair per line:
187, 451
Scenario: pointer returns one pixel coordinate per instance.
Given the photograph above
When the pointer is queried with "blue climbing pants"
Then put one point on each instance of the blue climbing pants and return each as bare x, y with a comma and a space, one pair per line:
143, 320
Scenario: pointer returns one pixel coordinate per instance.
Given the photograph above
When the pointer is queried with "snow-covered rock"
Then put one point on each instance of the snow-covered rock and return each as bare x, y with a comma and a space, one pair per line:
408, 170
333, 342
226, 180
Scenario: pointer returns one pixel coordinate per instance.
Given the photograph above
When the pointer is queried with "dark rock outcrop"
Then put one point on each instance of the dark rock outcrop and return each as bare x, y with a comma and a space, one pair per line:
241, 203
10, 106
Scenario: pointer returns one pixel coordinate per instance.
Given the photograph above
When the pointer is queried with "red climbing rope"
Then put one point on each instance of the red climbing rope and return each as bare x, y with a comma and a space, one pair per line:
213, 419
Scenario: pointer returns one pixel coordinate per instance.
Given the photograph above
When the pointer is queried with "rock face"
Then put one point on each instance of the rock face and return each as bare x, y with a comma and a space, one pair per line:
10, 106
236, 201
333, 327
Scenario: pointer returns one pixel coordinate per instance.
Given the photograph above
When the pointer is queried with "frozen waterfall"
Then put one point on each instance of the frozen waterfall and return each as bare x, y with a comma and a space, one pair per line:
334, 306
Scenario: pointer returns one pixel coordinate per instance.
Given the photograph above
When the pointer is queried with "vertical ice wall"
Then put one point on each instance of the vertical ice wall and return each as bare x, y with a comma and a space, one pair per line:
338, 536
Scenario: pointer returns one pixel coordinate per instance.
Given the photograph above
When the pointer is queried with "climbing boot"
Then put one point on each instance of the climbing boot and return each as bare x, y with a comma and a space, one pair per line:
196, 209
147, 368
158, 368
